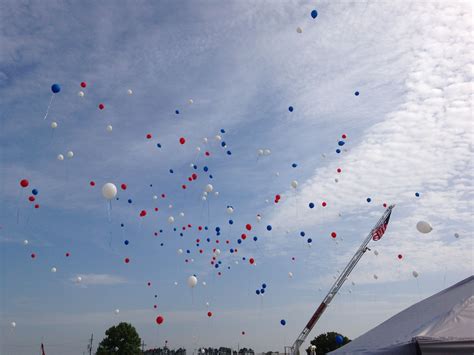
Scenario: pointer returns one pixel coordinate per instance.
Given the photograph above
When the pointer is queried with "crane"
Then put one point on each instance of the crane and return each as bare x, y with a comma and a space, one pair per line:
376, 233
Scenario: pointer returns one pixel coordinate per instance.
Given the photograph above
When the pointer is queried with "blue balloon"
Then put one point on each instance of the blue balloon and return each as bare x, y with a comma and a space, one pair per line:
126, 242
195, 166
302, 233
417, 194
341, 143
206, 228
283, 322
223, 144
290, 108
181, 234
257, 292
356, 93
222, 130
338, 151
239, 241
205, 168
129, 200
262, 291
34, 192
255, 239
158, 145
177, 112
231, 221
218, 229
294, 165
161, 230
229, 152
188, 251
314, 14
208, 240
174, 229
231, 250
161, 244
264, 285
311, 205
269, 228
55, 88
122, 225
369, 199
339, 339
171, 171
210, 176
310, 240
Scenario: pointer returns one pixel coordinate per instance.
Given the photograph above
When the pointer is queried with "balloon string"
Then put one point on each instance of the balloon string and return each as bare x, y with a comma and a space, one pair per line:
49, 105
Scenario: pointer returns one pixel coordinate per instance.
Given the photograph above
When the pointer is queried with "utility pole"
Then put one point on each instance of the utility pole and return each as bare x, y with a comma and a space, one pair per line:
89, 346
143, 346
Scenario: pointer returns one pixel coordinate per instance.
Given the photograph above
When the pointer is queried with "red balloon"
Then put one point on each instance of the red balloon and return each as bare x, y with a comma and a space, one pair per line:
33, 255
243, 236
277, 197
207, 154
92, 183
31, 198
155, 306
163, 195
148, 136
333, 234
339, 170
67, 255
160, 320
194, 176
149, 283
324, 204
344, 136
183, 187
123, 186
156, 209
243, 333
251, 261
143, 213
400, 256
209, 314
385, 205
248, 227
37, 206
127, 260
182, 140
83, 84
101, 106
24, 183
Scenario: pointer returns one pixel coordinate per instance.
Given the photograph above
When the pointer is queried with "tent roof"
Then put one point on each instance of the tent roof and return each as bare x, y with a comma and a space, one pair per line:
447, 315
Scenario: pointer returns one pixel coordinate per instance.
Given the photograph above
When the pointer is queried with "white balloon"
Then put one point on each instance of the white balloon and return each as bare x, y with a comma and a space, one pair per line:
376, 252
277, 174
13, 324
198, 149
260, 152
299, 30
236, 262
230, 210
415, 274
129, 91
81, 93
155, 197
192, 281
109, 191
456, 235
209, 188
180, 251
79, 279
259, 218
424, 227
25, 242
267, 200
290, 274
218, 138
53, 269
216, 193
204, 193
181, 214
170, 206
267, 152
109, 128
375, 277
117, 311
294, 184
190, 101
70, 154
54, 124
60, 157
170, 219
218, 252
176, 283
205, 140
204, 283
207, 304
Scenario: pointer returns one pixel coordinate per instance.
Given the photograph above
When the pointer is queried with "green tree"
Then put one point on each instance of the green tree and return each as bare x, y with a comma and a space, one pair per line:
122, 339
326, 342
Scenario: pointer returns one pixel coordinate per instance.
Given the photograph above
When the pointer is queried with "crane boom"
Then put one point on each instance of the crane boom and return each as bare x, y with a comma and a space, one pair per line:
338, 284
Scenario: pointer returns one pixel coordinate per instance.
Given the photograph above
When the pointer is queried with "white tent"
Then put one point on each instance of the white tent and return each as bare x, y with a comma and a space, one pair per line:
440, 324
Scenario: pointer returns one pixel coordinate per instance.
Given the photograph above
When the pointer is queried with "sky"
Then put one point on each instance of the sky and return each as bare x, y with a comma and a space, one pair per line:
242, 64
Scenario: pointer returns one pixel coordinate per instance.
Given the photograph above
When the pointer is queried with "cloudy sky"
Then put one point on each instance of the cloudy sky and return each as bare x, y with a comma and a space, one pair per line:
242, 63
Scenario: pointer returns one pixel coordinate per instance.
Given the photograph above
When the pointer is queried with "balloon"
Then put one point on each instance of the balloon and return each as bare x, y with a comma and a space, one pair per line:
294, 184
339, 339
356, 93
209, 314
127, 260
34, 192
109, 128
159, 320
283, 322
129, 91
148, 136
218, 138
180, 251
375, 277
333, 234
299, 30
376, 252
117, 311
248, 227
60, 157
101, 106
54, 125
259, 218
53, 269
456, 235
290, 108
143, 213
25, 242
415, 274
269, 228
55, 88
70, 154
314, 14
109, 191
83, 84
190, 101
209, 188
123, 186
417, 194
79, 279
251, 261
369, 199
311, 205
24, 183
13, 324
267, 152
260, 152
182, 140
424, 227
400, 256
230, 210
290, 275
192, 281
81, 94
